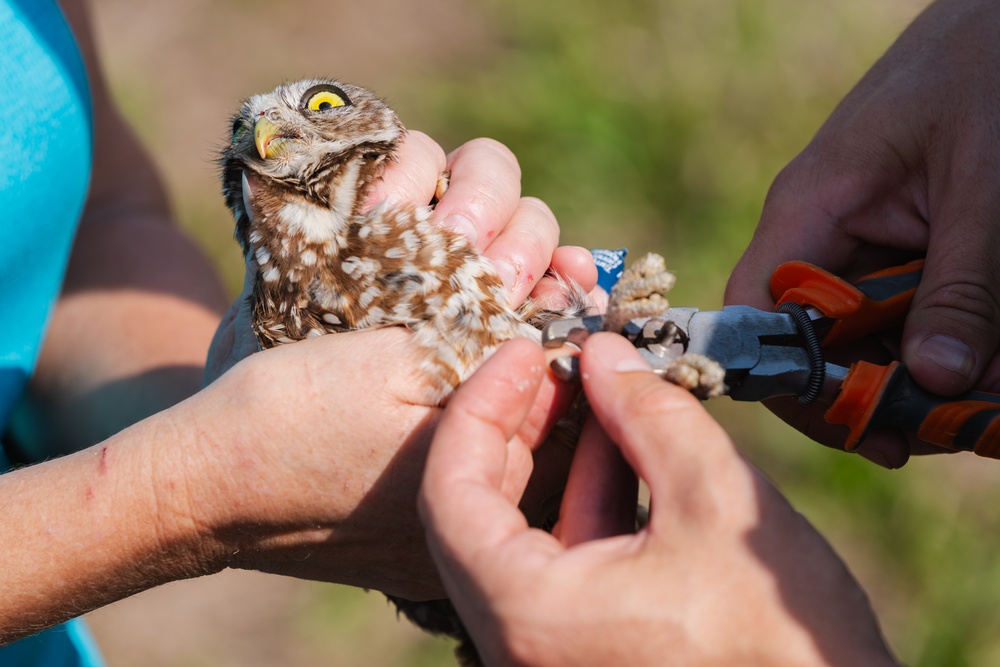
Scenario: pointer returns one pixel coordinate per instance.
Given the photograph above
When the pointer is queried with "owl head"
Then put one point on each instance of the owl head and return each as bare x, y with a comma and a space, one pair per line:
316, 140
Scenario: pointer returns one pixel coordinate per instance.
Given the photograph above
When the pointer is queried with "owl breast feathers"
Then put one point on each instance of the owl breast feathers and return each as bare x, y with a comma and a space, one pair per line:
296, 176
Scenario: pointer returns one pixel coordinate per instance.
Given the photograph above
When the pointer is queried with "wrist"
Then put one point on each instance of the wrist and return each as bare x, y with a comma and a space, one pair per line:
95, 527
181, 479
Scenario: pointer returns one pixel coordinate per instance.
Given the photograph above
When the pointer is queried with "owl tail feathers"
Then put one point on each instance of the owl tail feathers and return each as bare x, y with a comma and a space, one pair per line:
439, 617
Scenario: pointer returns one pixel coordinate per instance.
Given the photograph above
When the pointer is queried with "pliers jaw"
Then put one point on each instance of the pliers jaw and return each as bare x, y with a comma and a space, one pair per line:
761, 353
659, 340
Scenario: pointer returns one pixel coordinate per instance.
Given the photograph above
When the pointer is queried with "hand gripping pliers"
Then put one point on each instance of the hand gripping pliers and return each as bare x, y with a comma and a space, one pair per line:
782, 353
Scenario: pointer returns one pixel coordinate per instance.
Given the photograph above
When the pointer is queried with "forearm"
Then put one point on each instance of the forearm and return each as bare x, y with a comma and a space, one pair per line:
94, 527
127, 339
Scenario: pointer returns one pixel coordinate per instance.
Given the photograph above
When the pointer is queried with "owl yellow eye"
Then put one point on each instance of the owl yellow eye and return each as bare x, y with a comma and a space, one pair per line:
325, 100
322, 98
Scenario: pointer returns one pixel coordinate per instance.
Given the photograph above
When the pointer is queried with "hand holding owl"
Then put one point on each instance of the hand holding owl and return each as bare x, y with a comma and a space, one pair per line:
380, 422
483, 202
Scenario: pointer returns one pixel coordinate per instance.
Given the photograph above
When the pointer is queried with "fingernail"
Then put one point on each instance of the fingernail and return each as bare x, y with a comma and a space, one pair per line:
507, 273
949, 353
462, 225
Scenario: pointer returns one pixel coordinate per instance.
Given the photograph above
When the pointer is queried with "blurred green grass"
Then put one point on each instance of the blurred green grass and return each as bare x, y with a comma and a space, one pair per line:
658, 126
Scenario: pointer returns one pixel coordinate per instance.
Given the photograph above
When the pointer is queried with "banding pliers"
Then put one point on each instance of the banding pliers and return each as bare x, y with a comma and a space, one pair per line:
782, 353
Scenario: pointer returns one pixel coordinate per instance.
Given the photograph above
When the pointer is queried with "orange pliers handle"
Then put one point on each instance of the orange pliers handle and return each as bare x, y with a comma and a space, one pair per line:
874, 396
876, 302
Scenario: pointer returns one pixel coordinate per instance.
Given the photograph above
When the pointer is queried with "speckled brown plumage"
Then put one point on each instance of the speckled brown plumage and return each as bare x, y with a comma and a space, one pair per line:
296, 176
296, 180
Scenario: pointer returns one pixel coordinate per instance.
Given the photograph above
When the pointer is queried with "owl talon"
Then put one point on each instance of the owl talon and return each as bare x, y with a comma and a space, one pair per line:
443, 182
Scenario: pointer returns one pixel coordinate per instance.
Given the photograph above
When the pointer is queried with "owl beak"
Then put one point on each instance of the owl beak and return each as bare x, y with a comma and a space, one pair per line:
267, 137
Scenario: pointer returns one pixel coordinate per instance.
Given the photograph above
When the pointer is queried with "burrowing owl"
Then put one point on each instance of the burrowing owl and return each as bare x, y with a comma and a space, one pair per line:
296, 175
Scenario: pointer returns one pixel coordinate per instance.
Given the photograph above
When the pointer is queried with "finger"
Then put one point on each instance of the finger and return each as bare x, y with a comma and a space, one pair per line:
887, 448
600, 299
787, 231
461, 501
571, 264
663, 431
953, 326
576, 264
234, 338
483, 193
835, 205
521, 252
412, 177
220, 357
602, 491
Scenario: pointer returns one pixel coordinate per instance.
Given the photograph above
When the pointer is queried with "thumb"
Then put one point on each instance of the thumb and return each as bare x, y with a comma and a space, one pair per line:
234, 339
663, 432
953, 327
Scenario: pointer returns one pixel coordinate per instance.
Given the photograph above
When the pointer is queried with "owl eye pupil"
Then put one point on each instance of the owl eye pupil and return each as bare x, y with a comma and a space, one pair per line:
324, 97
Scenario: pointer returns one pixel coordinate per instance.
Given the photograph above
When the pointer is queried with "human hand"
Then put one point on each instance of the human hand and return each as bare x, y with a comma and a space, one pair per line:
906, 166
324, 487
726, 572
518, 234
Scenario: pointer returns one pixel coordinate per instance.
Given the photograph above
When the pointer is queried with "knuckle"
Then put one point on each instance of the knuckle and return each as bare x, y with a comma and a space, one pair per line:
427, 144
418, 159
539, 207
802, 173
784, 182
963, 293
540, 220
497, 151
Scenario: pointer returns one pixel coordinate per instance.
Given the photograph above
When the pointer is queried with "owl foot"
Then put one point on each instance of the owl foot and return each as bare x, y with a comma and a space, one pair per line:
700, 375
639, 293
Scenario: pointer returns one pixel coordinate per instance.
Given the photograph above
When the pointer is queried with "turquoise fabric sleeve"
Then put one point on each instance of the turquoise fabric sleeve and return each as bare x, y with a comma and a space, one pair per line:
45, 141
66, 645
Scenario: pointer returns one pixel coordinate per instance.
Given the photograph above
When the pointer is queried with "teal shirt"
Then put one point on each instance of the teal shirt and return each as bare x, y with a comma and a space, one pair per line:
45, 144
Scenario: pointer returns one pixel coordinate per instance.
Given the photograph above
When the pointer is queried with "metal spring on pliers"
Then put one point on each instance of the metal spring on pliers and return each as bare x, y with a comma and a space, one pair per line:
817, 362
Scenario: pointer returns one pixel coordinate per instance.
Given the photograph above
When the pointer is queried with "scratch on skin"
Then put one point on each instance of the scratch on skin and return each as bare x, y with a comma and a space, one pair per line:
102, 461
90, 493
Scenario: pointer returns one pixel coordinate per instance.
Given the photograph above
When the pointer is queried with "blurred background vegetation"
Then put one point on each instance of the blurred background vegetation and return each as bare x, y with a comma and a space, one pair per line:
648, 124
